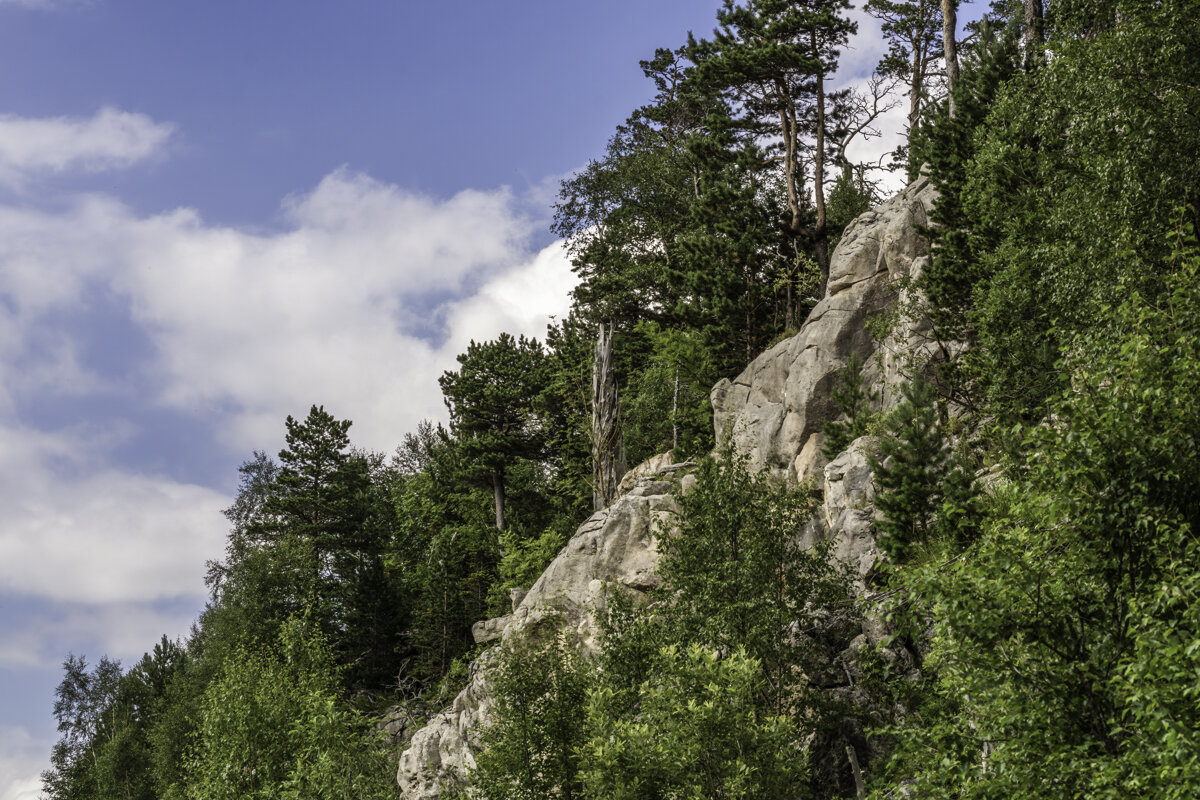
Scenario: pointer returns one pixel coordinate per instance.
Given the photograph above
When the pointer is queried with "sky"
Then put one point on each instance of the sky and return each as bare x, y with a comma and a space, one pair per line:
217, 214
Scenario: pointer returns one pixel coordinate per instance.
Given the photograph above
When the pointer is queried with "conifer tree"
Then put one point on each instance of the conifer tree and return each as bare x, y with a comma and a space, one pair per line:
321, 486
774, 57
492, 407
912, 470
913, 32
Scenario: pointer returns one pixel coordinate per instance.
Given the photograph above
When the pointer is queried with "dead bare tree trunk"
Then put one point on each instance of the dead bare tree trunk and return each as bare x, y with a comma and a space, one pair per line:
675, 415
498, 497
950, 47
1034, 36
820, 235
608, 445
859, 790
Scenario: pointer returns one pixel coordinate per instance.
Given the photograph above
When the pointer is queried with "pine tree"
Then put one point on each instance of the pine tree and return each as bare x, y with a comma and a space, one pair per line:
774, 57
492, 400
912, 470
913, 32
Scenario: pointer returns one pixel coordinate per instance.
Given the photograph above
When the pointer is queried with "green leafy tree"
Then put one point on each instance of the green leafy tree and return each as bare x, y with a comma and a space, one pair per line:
176, 714
531, 746
491, 401
850, 196
86, 709
1035, 229
309, 537
948, 145
1064, 640
740, 574
319, 487
273, 726
699, 732
105, 718
738, 578
676, 379
731, 251
622, 215
445, 547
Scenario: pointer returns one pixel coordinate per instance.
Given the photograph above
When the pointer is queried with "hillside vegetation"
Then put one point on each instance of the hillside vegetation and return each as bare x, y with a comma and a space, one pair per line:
1037, 481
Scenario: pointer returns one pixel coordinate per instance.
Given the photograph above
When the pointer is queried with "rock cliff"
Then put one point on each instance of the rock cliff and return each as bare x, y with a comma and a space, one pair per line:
615, 545
775, 409
773, 412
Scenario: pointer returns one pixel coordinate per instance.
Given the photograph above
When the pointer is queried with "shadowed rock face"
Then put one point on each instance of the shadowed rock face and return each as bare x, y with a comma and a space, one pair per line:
774, 412
775, 409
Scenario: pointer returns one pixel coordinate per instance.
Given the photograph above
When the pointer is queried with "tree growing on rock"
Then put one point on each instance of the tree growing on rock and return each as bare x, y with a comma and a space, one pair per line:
608, 442
913, 32
923, 487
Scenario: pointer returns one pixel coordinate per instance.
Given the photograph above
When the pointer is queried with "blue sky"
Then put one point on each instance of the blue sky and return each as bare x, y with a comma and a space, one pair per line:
215, 214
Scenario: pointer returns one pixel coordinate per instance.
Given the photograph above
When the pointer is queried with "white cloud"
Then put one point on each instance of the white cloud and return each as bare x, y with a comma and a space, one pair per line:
326, 311
111, 139
77, 530
519, 301
245, 328
27, 788
22, 759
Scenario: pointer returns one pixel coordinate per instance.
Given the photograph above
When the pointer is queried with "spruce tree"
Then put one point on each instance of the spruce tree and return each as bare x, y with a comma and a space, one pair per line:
911, 470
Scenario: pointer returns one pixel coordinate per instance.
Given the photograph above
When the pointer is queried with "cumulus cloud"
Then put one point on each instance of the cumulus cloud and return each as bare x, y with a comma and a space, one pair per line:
855, 67
111, 139
358, 303
78, 530
861, 54
518, 301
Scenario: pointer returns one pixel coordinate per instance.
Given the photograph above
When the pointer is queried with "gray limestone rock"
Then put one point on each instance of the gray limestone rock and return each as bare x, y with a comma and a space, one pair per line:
848, 512
779, 403
615, 546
